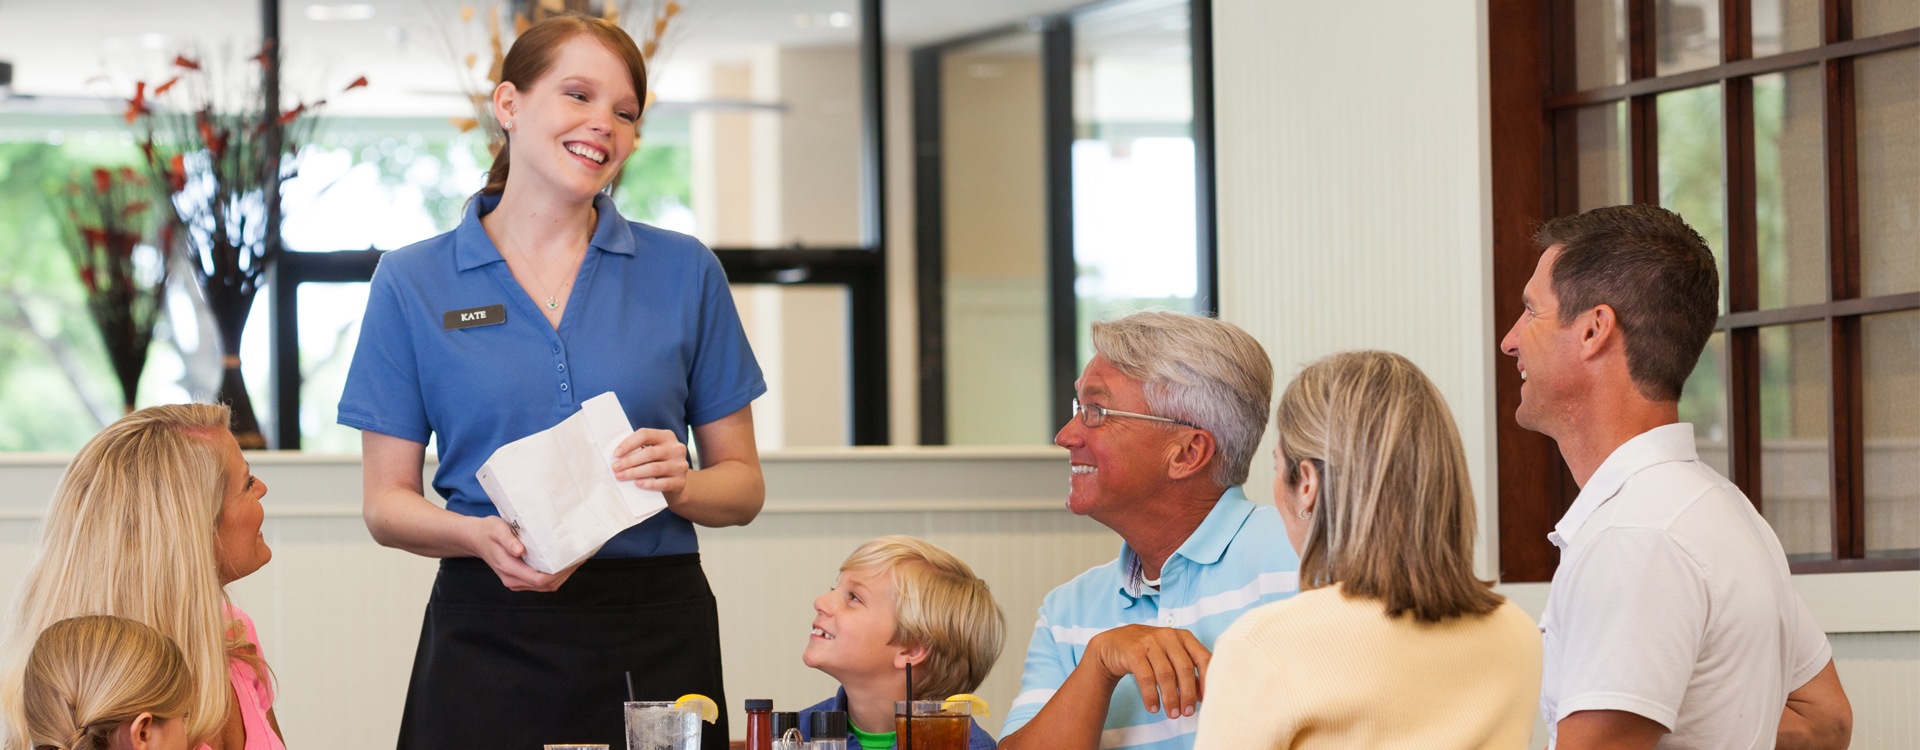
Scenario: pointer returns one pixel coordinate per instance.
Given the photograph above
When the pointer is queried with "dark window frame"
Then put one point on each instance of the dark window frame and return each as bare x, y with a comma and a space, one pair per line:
1532, 98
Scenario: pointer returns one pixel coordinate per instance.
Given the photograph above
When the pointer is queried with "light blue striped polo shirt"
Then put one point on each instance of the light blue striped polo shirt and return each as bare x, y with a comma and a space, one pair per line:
1238, 559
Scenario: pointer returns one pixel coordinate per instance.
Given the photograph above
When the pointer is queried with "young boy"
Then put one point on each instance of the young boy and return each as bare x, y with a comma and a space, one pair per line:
898, 601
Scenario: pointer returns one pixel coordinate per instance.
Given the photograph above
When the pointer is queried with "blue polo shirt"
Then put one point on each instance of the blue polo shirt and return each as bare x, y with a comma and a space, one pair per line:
650, 318
1237, 559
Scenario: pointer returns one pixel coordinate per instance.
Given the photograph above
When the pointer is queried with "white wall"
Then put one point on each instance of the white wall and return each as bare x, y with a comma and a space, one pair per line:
1353, 150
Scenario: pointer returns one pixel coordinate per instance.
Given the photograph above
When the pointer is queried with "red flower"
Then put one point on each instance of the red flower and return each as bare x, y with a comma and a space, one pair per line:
357, 83
292, 114
86, 277
185, 63
138, 104
177, 173
102, 180
162, 88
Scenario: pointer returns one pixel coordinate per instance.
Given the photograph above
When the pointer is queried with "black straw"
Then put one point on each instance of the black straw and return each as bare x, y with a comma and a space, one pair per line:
906, 743
630, 697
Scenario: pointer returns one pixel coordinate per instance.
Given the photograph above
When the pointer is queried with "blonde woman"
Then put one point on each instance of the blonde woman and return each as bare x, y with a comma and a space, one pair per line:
1392, 641
153, 518
106, 683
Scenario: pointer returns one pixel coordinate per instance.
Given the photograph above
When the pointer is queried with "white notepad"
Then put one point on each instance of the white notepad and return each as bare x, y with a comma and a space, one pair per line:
557, 486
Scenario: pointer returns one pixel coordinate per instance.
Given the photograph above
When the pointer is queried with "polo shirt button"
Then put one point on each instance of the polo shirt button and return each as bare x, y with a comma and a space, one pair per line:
1167, 620
556, 348
562, 367
563, 386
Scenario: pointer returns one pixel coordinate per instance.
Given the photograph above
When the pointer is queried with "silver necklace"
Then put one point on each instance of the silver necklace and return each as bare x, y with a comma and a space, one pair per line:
553, 302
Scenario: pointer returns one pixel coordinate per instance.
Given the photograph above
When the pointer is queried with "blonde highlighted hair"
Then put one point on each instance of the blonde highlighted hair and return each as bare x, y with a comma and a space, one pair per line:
131, 533
1200, 370
1394, 516
88, 676
938, 603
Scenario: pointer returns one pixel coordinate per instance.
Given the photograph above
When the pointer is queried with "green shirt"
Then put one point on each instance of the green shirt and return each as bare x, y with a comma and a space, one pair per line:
868, 741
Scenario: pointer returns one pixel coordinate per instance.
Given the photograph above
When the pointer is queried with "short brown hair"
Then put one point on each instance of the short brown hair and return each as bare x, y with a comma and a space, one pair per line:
1655, 272
532, 54
1393, 520
938, 603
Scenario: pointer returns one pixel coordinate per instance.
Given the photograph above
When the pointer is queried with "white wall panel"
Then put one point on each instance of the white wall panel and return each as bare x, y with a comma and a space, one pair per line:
1352, 206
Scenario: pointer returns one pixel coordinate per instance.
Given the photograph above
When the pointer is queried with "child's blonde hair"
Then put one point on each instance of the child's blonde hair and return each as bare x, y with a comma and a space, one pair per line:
88, 676
940, 604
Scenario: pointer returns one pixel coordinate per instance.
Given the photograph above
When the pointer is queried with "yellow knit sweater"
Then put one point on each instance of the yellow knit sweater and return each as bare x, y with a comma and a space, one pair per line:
1321, 670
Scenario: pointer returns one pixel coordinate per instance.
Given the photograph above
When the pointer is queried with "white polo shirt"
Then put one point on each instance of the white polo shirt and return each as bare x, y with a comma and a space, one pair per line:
1673, 601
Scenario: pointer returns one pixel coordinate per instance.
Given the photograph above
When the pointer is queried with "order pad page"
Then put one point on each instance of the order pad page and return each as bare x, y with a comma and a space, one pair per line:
557, 486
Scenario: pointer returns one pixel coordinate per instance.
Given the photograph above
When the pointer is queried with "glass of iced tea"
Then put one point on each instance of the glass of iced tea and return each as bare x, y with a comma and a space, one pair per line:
935, 725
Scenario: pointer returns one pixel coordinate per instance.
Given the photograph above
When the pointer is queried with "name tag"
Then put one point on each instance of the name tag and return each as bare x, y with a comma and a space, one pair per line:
474, 317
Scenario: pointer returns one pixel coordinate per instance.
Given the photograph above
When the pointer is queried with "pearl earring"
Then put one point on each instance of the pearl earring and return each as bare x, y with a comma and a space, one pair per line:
508, 125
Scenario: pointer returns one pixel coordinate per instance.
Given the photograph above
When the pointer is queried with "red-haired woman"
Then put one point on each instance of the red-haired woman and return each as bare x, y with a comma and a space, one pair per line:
575, 301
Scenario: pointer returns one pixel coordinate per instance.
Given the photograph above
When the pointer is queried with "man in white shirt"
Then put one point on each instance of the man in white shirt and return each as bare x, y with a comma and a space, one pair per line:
1672, 621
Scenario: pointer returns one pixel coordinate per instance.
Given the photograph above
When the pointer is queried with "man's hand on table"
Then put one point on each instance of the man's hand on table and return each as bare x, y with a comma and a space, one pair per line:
1170, 664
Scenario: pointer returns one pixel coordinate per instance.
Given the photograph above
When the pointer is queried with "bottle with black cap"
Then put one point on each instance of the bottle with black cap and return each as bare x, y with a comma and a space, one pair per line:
829, 730
786, 730
759, 724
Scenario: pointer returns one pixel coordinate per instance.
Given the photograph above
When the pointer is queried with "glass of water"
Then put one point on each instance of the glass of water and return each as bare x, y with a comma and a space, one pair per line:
662, 726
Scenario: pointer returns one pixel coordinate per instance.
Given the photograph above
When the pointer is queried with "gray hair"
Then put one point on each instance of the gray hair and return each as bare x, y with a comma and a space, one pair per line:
1200, 370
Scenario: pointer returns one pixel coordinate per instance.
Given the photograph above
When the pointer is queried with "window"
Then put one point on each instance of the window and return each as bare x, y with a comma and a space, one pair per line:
1063, 176
1788, 133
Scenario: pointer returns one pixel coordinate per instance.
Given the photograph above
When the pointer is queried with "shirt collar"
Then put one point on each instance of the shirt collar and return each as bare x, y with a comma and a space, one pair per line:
473, 248
1203, 547
1663, 444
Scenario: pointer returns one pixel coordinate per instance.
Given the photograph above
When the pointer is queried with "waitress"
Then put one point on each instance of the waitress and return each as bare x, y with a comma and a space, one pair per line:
542, 298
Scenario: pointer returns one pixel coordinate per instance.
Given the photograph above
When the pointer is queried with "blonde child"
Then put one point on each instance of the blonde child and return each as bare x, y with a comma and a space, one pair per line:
106, 683
899, 601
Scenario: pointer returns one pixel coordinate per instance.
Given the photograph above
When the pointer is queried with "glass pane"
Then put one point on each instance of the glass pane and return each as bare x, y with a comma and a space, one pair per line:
1133, 168
1887, 93
799, 335
1890, 354
57, 387
1785, 25
1791, 210
996, 244
1601, 132
1690, 167
1600, 43
1795, 470
329, 330
1874, 17
370, 183
1686, 35
1703, 403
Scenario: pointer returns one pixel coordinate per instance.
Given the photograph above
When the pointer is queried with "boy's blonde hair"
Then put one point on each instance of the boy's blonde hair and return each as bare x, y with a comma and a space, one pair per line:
88, 676
940, 604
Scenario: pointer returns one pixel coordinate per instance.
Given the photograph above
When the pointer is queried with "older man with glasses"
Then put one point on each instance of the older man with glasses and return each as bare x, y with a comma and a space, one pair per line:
1168, 418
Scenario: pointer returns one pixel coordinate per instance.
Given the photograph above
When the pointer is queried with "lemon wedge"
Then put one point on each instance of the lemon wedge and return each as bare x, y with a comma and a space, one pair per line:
979, 703
709, 711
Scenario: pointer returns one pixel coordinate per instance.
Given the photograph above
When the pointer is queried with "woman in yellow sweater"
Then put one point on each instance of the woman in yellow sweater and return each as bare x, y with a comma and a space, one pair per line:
1392, 641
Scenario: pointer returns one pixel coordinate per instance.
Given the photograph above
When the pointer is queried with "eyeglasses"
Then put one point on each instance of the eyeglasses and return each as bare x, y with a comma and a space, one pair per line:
1094, 415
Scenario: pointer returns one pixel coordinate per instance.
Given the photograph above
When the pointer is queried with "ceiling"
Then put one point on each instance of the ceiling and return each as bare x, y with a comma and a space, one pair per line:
409, 49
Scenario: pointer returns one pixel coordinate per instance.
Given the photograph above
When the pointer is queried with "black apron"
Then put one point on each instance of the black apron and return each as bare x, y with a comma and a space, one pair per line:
519, 669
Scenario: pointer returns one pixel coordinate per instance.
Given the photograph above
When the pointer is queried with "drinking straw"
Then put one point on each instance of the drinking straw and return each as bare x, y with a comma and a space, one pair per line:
907, 741
630, 697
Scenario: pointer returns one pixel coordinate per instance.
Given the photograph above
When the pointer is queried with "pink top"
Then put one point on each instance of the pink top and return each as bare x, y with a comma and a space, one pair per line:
254, 694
